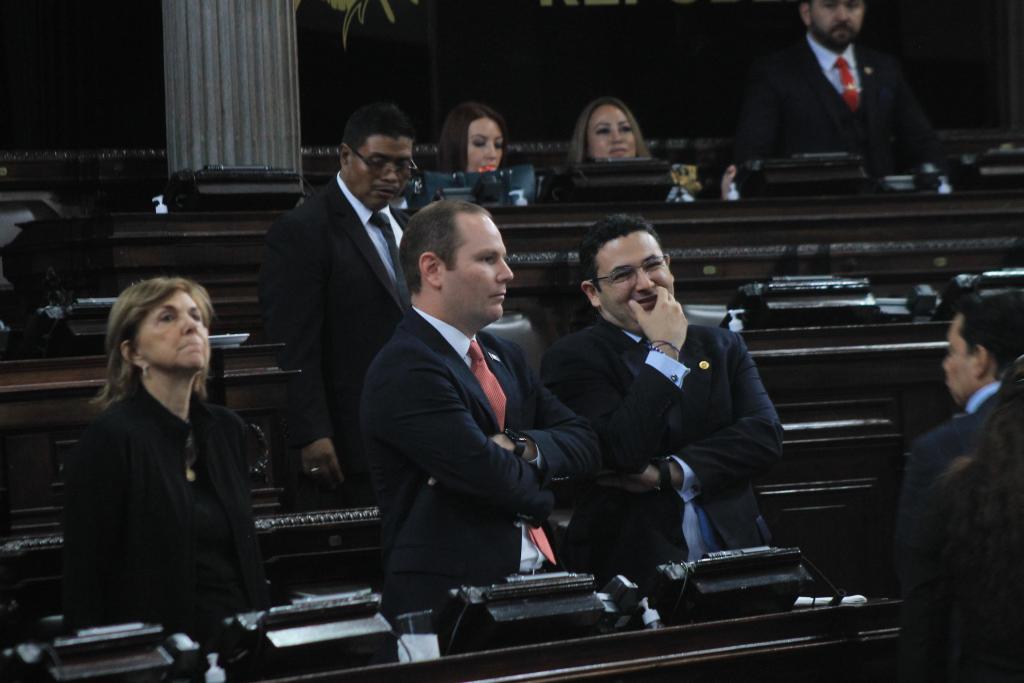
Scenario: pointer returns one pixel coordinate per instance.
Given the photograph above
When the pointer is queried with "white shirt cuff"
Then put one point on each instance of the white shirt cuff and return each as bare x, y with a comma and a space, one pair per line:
673, 370
691, 486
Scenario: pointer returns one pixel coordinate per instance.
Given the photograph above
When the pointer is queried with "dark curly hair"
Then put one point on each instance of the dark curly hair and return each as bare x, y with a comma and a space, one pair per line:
605, 230
994, 320
377, 118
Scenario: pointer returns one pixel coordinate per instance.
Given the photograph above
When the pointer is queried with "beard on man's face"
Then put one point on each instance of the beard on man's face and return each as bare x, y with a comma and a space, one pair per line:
837, 37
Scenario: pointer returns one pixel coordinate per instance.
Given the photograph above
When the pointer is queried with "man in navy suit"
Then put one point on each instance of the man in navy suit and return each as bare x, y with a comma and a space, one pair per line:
462, 439
826, 94
331, 290
985, 337
682, 416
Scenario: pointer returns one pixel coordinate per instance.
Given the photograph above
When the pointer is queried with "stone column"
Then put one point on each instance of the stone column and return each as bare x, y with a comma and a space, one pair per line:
231, 82
1009, 27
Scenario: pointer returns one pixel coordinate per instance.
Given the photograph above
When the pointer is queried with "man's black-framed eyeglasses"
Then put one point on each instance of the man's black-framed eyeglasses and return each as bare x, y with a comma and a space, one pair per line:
620, 277
379, 163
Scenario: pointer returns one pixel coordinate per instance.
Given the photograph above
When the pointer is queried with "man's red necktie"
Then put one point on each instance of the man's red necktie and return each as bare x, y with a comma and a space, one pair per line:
850, 93
488, 382
496, 396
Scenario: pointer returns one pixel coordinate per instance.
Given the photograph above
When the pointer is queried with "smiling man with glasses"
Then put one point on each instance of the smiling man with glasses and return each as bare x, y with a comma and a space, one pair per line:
332, 290
683, 418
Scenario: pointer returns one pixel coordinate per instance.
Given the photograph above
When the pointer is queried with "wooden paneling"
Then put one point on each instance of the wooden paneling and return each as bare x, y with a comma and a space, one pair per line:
896, 241
45, 405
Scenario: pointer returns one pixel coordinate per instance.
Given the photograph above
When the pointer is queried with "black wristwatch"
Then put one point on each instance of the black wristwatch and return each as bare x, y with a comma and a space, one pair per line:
664, 475
520, 441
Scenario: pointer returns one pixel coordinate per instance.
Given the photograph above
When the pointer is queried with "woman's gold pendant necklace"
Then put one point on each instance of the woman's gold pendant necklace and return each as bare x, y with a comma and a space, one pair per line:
190, 458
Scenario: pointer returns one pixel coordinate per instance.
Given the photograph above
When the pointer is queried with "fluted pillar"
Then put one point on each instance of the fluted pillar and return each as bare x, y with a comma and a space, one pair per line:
231, 81
1012, 23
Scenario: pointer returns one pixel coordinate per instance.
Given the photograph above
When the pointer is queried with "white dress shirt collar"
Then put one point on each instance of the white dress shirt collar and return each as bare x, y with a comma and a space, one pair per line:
453, 336
361, 209
980, 396
827, 59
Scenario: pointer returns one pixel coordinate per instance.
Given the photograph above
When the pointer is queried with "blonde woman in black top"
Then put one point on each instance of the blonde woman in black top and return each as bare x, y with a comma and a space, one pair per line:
158, 525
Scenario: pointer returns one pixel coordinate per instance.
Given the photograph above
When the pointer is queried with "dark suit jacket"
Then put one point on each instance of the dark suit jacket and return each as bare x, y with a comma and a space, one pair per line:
129, 537
930, 456
424, 415
325, 294
943, 634
791, 108
722, 424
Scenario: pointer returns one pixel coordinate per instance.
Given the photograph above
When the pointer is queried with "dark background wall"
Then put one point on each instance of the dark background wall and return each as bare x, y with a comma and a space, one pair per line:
682, 67
81, 74
85, 75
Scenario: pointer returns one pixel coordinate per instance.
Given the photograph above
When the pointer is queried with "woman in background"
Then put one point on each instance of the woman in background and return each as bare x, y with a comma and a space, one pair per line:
473, 139
963, 619
158, 521
607, 129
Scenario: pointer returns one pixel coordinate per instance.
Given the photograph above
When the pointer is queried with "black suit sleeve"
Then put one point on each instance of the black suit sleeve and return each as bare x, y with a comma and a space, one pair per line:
94, 482
925, 616
925, 463
751, 443
420, 414
916, 142
629, 422
568, 445
293, 282
760, 121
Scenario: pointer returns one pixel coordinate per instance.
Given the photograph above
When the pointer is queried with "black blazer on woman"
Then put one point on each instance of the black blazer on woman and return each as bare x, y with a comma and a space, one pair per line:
129, 546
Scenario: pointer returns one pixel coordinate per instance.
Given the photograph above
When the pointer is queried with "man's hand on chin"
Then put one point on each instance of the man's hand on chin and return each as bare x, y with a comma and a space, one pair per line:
665, 322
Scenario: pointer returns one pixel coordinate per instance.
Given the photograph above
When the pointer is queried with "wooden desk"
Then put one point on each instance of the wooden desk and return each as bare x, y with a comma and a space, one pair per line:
300, 550
846, 643
849, 415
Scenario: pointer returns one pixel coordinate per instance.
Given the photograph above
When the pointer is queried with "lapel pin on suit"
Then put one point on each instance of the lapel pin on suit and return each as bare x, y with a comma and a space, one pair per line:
703, 365
868, 71
493, 357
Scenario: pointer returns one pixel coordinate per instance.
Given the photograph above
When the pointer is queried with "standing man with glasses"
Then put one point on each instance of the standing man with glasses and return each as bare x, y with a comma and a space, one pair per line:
682, 416
332, 289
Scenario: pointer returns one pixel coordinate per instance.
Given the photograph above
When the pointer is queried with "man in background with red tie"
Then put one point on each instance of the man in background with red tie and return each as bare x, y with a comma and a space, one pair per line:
826, 94
462, 438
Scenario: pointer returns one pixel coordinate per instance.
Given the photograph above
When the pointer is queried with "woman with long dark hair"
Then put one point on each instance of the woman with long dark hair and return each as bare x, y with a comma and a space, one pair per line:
473, 139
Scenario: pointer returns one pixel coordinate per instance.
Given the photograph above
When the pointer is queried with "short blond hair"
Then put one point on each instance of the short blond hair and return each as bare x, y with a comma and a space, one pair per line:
128, 312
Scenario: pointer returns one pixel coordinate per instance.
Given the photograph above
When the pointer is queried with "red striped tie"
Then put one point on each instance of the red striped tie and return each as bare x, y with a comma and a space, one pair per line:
850, 93
496, 396
488, 382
